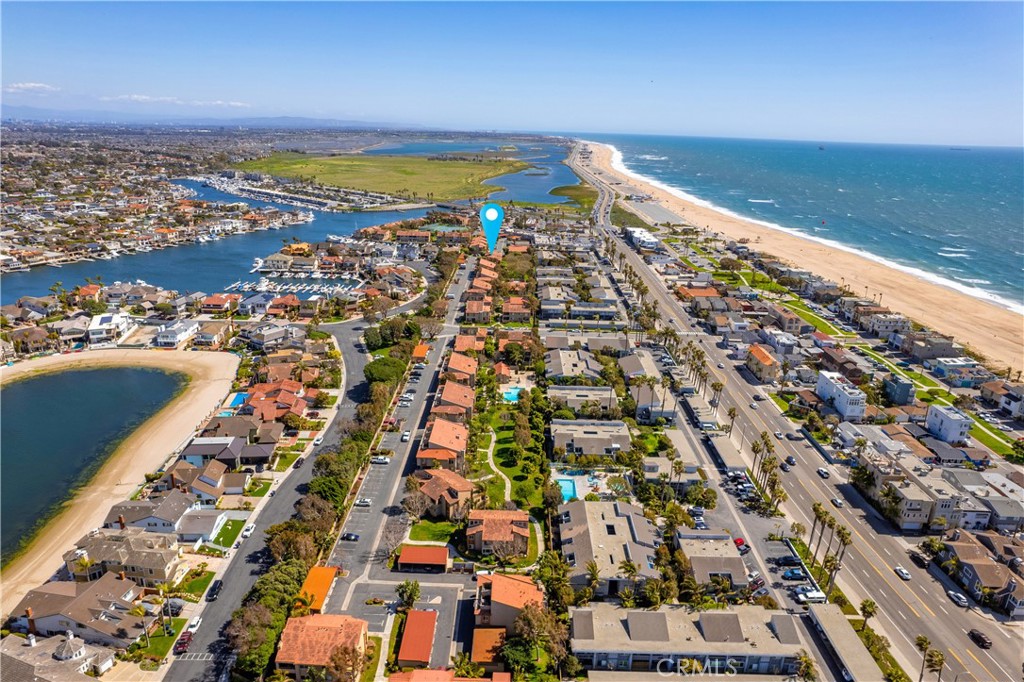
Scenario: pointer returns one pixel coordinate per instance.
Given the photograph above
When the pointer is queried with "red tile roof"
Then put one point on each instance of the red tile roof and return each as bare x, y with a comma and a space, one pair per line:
309, 640
429, 555
418, 637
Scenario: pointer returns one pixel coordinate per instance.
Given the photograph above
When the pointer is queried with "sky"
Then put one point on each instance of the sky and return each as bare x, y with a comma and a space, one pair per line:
919, 73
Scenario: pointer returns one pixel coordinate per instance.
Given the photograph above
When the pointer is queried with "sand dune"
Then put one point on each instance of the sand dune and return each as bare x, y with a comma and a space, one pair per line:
995, 332
141, 452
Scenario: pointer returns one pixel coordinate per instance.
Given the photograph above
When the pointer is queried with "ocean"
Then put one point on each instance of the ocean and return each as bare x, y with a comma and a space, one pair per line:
951, 216
49, 451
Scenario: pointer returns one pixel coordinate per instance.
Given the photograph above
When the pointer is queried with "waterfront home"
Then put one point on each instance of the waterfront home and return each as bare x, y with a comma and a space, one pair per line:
201, 525
268, 335
97, 611
744, 639
208, 483
273, 401
249, 427
201, 450
218, 304
53, 659
256, 304
211, 334
1008, 397
590, 437
174, 334
307, 642
157, 514
607, 533
29, 340
449, 493
109, 327
72, 329
149, 559
501, 598
503, 532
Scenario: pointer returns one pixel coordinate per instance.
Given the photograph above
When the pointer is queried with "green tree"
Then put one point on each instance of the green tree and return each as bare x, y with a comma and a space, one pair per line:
868, 609
463, 666
408, 592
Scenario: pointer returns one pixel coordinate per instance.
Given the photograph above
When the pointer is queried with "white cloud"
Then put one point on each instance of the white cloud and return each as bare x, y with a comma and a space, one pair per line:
30, 87
150, 99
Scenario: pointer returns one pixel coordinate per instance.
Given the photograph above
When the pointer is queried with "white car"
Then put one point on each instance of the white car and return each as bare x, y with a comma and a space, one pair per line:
804, 589
957, 598
721, 365
823, 472
902, 572
406, 436
249, 530
318, 440
753, 406
363, 502
194, 624
380, 460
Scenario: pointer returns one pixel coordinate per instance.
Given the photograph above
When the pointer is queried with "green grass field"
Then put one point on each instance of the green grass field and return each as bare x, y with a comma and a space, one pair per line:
159, 643
370, 669
259, 488
582, 195
229, 533
621, 217
809, 316
197, 586
433, 531
406, 176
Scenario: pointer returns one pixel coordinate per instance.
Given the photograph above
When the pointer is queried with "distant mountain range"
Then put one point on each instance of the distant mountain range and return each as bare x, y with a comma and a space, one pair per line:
24, 113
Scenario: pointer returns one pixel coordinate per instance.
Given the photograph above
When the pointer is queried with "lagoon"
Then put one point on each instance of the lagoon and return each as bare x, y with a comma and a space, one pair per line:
57, 430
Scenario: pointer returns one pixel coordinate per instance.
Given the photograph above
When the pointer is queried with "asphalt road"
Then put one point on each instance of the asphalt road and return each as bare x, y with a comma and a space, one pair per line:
907, 609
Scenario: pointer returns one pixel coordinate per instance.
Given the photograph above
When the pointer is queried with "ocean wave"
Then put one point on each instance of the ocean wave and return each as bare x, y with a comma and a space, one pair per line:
956, 255
761, 201
652, 157
954, 249
974, 281
619, 165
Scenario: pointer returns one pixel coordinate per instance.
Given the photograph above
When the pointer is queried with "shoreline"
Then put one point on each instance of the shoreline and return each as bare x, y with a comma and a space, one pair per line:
123, 470
986, 327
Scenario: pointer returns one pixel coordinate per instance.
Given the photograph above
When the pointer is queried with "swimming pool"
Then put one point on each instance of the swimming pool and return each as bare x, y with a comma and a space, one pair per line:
568, 487
511, 394
237, 399
226, 413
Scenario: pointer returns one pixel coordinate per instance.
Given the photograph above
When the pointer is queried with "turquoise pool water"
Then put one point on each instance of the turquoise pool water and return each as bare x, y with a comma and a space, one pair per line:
226, 413
568, 487
511, 394
237, 399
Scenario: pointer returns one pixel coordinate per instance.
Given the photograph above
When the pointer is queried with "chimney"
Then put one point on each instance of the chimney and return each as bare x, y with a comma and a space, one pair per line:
120, 575
120, 522
31, 623
174, 483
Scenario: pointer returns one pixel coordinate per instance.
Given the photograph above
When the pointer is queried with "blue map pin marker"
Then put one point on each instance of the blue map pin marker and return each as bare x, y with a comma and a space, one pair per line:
491, 216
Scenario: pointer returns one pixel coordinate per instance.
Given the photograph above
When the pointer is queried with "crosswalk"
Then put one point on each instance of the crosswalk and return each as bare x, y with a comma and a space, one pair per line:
196, 657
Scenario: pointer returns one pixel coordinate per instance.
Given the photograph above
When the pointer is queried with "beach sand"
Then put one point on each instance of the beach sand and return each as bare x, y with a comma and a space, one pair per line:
995, 332
140, 453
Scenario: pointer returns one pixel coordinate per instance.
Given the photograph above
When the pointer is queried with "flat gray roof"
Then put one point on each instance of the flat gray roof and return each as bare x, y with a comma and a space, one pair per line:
845, 643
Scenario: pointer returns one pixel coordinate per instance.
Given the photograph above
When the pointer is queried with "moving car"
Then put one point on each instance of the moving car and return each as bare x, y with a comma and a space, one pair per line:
957, 598
794, 436
406, 436
249, 530
350, 537
823, 473
753, 406
794, 574
785, 467
836, 502
318, 440
215, 587
363, 502
980, 638
380, 460
758, 397
721, 365
194, 624
791, 461
778, 434
902, 572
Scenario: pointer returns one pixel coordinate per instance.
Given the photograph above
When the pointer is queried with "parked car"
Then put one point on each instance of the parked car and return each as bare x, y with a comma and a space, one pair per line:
739, 542
249, 530
350, 537
902, 572
174, 606
183, 643
298, 463
794, 574
215, 587
788, 560
957, 598
762, 592
980, 638
194, 624
919, 559
318, 440
696, 511
744, 549
406, 436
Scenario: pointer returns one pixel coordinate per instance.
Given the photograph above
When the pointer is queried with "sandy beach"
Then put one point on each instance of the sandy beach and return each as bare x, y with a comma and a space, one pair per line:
141, 452
995, 332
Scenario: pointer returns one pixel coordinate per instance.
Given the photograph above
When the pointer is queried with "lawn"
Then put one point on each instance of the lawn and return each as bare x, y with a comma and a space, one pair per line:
229, 533
286, 459
407, 176
503, 457
623, 218
393, 642
532, 550
996, 445
259, 487
432, 531
495, 491
809, 316
780, 401
370, 671
196, 586
160, 644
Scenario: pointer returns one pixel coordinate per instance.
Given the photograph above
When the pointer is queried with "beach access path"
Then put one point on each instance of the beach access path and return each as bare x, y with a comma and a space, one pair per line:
141, 452
993, 331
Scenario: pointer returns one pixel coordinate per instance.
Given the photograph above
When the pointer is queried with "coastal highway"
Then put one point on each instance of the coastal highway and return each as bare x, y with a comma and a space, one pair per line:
907, 608
210, 657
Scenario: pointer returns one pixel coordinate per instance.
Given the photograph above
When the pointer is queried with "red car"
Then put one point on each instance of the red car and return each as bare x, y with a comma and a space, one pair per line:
183, 643
740, 542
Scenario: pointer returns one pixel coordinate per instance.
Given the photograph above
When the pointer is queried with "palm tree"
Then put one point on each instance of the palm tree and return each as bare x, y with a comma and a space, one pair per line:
140, 611
935, 661
757, 449
952, 565
830, 564
868, 609
279, 675
805, 667
819, 513
826, 520
464, 666
845, 540
716, 391
629, 570
302, 605
731, 414
593, 575
797, 529
923, 644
